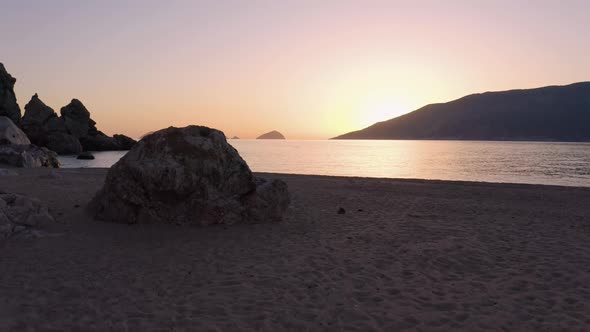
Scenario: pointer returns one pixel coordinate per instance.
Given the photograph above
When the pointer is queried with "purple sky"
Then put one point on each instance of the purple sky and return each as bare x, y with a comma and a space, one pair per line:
310, 69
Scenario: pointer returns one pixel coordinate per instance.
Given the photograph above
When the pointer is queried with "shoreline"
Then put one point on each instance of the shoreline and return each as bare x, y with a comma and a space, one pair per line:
406, 254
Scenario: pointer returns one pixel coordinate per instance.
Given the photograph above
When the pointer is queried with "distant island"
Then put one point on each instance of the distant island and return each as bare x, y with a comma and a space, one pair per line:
553, 113
271, 135
235, 137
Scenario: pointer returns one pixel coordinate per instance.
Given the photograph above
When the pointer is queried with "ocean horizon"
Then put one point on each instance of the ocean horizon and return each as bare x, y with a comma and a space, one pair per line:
547, 163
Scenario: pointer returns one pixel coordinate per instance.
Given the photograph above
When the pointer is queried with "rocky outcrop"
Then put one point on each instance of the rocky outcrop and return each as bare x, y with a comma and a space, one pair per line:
45, 128
27, 156
79, 124
77, 119
187, 175
10, 133
16, 149
71, 133
21, 215
8, 104
271, 135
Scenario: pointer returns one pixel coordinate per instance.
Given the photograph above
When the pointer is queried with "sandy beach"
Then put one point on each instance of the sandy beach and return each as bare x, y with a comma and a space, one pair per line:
406, 254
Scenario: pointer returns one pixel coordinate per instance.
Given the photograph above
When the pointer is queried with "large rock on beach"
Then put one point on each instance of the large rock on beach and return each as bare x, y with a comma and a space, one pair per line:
10, 133
185, 176
8, 105
21, 214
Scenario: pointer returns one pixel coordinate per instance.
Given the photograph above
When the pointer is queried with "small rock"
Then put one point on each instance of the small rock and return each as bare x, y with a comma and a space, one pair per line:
86, 155
341, 211
20, 214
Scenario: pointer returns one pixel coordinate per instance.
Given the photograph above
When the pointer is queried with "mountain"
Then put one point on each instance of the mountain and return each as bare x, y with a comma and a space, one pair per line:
553, 113
271, 135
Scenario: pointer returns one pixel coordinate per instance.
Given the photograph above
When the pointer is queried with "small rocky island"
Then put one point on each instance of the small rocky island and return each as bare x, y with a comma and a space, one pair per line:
272, 135
71, 132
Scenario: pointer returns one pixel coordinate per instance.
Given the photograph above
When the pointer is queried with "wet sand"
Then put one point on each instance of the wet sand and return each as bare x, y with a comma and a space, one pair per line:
407, 254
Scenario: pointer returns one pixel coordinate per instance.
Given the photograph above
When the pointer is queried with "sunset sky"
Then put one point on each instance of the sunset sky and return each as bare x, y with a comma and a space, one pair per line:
310, 69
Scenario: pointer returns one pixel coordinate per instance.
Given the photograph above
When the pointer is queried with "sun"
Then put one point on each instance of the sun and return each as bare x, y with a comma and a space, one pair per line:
380, 110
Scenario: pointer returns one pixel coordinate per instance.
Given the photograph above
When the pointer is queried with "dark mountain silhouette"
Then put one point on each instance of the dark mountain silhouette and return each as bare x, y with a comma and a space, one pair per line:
553, 113
271, 135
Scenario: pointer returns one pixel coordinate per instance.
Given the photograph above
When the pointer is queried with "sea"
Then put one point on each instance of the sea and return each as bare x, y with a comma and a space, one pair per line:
549, 163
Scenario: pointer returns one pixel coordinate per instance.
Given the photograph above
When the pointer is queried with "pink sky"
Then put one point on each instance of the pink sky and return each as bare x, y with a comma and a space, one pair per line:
310, 69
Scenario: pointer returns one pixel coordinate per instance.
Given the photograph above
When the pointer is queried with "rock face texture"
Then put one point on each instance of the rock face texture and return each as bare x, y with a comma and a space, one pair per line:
27, 156
16, 149
271, 135
184, 176
45, 128
21, 214
8, 104
10, 133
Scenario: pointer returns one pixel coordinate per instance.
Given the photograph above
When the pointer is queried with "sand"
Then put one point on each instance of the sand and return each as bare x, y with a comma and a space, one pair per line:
407, 254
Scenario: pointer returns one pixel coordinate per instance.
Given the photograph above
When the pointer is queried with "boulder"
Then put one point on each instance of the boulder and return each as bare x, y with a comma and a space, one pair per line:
185, 176
10, 133
45, 128
86, 155
27, 156
8, 105
20, 214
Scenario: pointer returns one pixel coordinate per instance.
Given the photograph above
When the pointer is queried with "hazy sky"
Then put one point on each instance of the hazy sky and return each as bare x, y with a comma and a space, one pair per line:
310, 69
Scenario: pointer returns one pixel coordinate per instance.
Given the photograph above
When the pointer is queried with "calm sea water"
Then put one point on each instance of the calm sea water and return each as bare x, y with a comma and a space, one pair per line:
516, 162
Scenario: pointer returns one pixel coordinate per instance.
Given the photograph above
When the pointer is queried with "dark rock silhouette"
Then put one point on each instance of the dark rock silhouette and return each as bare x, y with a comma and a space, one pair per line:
77, 119
78, 123
8, 105
554, 113
271, 135
71, 133
86, 155
187, 175
45, 128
